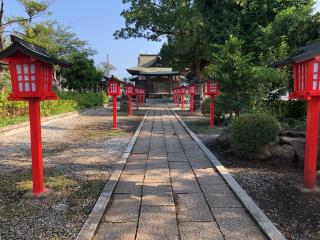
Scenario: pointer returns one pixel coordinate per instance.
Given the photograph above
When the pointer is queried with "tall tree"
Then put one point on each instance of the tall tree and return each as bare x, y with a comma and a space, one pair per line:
82, 76
12, 24
57, 39
234, 70
180, 21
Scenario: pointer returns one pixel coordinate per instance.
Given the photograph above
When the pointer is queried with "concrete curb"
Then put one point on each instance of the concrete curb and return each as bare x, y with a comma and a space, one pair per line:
91, 225
16, 128
263, 221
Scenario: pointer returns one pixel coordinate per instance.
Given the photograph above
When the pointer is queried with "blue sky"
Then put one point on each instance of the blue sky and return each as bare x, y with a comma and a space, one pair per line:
96, 21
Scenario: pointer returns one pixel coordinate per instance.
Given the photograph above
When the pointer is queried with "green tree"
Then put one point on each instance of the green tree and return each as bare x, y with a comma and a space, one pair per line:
234, 70
82, 76
180, 22
57, 39
11, 24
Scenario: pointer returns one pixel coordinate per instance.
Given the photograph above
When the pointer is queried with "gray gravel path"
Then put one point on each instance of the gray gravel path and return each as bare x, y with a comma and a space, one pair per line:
79, 154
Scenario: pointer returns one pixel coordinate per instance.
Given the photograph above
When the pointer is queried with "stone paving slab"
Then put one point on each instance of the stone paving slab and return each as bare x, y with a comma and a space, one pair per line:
141, 147
158, 223
123, 208
220, 196
137, 158
200, 231
192, 152
185, 184
177, 157
157, 175
157, 194
208, 177
116, 231
236, 223
134, 168
192, 208
131, 184
198, 162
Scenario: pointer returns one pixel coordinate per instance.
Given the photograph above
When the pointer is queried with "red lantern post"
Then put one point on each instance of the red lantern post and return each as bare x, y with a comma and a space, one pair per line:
114, 91
192, 92
307, 86
212, 90
178, 95
130, 92
31, 72
141, 90
174, 95
183, 91
137, 94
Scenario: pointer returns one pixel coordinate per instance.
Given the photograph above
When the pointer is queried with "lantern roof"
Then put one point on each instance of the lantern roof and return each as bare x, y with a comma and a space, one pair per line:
29, 49
304, 53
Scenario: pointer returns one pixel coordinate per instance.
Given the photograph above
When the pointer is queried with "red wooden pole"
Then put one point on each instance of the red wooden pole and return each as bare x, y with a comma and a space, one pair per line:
137, 101
211, 112
182, 101
114, 112
191, 103
178, 99
36, 147
129, 105
311, 148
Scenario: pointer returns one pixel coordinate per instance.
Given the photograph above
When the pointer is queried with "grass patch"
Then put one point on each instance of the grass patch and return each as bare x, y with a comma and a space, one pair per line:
6, 121
200, 125
23, 183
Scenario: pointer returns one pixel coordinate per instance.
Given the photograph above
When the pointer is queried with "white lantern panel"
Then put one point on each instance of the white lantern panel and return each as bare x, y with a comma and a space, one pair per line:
20, 87
27, 87
18, 69
32, 68
33, 87
315, 67
25, 68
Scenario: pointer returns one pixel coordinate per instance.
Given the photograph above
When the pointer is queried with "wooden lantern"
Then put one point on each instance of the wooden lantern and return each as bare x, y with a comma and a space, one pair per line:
31, 75
114, 87
130, 90
212, 87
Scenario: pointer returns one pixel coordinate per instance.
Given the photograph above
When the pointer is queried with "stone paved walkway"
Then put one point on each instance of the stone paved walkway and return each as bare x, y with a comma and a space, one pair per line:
170, 190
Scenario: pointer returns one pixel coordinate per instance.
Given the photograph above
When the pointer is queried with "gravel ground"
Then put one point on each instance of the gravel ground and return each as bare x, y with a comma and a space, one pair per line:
79, 155
271, 187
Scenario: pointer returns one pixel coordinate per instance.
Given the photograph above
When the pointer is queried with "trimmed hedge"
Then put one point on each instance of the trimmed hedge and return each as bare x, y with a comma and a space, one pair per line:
16, 112
85, 100
249, 133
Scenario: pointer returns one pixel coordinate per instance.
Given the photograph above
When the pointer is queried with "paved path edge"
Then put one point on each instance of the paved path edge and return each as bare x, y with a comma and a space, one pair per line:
90, 226
263, 221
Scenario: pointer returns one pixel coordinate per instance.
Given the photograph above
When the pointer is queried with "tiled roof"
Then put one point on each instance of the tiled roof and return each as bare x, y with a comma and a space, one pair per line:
303, 54
19, 45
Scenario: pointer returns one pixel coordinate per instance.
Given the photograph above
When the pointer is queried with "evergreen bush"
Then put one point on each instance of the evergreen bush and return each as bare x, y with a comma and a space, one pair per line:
249, 133
205, 106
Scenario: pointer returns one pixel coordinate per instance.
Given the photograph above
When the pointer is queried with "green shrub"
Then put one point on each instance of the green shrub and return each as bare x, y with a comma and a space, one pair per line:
205, 106
294, 109
59, 106
15, 112
249, 133
85, 100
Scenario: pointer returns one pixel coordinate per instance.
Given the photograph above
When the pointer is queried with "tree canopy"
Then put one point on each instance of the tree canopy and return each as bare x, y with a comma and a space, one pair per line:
232, 40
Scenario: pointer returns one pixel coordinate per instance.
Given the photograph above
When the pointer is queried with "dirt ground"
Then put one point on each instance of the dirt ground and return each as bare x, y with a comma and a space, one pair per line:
271, 187
79, 156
